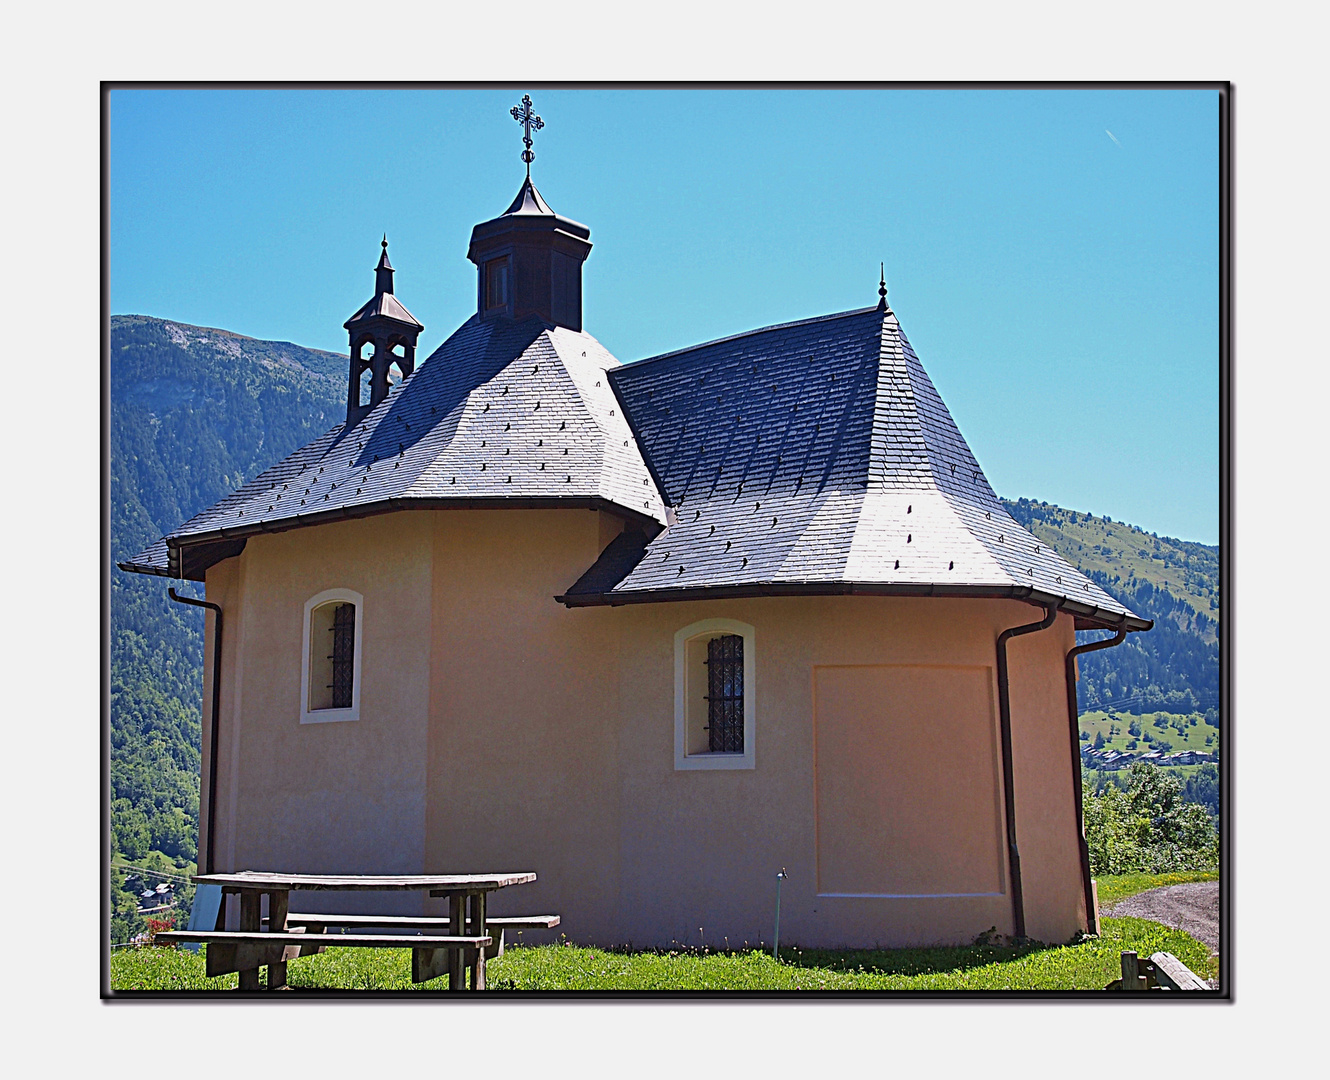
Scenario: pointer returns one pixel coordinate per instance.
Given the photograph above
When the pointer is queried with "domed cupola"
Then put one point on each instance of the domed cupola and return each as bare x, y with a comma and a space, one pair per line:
529, 259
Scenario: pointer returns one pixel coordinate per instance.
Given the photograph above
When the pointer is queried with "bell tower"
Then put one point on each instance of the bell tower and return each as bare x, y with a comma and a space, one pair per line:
529, 259
389, 332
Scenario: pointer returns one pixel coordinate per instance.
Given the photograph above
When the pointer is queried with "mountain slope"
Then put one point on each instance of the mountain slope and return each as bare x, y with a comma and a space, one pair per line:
194, 412
1175, 666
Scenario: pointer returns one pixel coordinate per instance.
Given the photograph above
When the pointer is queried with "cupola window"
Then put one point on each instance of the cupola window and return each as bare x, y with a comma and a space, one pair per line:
496, 284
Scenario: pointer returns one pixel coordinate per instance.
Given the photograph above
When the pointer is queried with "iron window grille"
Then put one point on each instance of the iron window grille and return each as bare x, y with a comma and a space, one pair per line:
725, 694
343, 655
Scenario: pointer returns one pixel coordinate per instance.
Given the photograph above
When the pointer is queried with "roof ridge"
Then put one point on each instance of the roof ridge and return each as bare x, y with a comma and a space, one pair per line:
895, 394
747, 333
609, 417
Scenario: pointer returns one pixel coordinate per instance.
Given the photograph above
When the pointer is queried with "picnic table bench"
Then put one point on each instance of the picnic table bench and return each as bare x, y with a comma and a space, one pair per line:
495, 925
464, 943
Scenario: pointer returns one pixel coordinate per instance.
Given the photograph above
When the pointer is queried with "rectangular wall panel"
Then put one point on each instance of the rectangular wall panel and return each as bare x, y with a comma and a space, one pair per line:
907, 781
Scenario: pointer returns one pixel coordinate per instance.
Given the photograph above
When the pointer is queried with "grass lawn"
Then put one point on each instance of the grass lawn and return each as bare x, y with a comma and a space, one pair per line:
1113, 888
1088, 965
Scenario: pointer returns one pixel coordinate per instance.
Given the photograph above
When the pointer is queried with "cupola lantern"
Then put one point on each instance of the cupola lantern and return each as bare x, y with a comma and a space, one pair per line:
389, 332
529, 259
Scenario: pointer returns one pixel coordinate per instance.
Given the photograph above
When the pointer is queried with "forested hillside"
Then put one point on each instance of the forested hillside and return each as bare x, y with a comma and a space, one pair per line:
194, 412
1175, 666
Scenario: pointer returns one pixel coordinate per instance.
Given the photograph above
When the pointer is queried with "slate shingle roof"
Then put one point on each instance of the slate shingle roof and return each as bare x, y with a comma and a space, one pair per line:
382, 305
501, 414
813, 456
817, 456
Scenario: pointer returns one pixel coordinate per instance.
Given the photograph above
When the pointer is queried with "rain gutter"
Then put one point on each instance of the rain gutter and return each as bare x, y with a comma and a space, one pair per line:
216, 706
1074, 722
1096, 617
1008, 764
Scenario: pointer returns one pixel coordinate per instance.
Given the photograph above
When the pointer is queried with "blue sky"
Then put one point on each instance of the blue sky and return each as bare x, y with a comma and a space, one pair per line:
1059, 283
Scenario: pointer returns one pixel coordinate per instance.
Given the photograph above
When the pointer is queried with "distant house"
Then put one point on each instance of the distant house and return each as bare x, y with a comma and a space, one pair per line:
654, 631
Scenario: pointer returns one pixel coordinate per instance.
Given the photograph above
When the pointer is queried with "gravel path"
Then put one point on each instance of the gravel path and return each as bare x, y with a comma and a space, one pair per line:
1193, 907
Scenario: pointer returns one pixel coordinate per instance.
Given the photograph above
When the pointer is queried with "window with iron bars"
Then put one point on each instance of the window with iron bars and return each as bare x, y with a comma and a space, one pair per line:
725, 694
343, 656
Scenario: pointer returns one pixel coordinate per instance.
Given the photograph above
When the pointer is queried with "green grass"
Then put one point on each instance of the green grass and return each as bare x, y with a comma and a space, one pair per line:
1088, 965
1192, 736
1115, 887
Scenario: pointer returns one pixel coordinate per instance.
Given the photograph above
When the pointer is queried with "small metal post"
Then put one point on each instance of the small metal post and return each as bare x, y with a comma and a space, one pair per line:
775, 945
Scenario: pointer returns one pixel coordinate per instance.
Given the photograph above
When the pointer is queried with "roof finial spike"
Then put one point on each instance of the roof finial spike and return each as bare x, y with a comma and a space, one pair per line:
530, 122
383, 273
882, 289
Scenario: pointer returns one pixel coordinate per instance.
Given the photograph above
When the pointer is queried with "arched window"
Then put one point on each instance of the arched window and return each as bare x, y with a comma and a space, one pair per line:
714, 695
330, 673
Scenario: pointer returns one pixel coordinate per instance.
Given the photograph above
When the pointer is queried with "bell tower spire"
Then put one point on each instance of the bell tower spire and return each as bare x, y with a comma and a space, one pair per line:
389, 331
383, 273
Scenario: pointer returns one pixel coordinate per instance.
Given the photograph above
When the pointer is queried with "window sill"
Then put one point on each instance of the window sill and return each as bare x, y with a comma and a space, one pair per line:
328, 716
715, 761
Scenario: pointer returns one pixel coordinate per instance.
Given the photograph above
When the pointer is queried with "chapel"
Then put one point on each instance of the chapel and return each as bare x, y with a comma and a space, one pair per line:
655, 631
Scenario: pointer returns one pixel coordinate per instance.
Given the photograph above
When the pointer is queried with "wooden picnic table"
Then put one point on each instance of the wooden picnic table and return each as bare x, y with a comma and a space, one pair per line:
463, 946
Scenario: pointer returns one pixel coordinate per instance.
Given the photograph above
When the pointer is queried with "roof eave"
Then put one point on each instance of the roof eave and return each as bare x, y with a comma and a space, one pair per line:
177, 544
131, 567
1094, 617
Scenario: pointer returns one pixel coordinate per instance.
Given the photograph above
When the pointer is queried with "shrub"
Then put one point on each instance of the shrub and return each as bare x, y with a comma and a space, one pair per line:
155, 925
1149, 827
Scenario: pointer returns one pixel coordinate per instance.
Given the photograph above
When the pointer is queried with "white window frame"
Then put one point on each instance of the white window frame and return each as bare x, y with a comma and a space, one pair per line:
712, 628
331, 716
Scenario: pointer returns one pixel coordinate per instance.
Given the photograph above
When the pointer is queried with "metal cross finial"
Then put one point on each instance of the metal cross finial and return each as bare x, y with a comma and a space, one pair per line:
530, 122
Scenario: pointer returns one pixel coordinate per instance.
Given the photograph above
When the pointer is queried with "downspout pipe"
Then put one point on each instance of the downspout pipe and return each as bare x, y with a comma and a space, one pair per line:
1008, 763
1074, 729
212, 724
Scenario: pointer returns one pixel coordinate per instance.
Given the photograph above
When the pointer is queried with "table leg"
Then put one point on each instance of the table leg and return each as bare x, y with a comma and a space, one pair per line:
477, 927
250, 921
455, 923
277, 908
